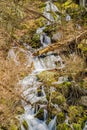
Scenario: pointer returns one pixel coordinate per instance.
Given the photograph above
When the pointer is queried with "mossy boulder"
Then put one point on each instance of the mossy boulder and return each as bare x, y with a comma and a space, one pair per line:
77, 126
63, 126
58, 98
63, 88
35, 43
83, 101
60, 117
48, 77
74, 113
40, 114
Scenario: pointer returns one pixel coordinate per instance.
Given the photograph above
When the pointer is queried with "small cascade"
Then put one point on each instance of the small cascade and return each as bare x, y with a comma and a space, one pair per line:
85, 127
50, 7
33, 90
52, 124
44, 39
48, 62
45, 114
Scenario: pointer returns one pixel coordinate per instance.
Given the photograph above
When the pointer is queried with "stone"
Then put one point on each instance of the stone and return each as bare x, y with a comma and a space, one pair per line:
83, 101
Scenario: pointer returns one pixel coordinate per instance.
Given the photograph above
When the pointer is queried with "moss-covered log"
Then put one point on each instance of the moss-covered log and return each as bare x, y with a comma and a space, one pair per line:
62, 44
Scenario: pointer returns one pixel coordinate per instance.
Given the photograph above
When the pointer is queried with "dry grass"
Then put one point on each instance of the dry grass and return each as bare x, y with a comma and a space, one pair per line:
10, 103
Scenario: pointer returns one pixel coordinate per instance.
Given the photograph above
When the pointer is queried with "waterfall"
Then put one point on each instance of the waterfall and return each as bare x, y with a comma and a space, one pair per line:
52, 124
50, 7
30, 86
33, 90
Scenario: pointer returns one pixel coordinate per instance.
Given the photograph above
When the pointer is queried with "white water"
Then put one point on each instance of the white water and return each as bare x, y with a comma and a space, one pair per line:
30, 86
50, 7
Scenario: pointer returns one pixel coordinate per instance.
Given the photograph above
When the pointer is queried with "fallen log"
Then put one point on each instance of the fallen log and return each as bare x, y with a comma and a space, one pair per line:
62, 44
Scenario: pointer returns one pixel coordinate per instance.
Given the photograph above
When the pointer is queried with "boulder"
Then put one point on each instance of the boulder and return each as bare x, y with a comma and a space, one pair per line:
83, 101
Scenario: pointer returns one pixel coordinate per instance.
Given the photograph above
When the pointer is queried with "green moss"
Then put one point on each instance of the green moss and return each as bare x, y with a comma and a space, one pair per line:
63, 127
58, 98
77, 126
51, 29
60, 117
14, 127
48, 121
81, 121
36, 38
83, 45
25, 125
75, 112
63, 88
40, 22
48, 77
40, 114
35, 43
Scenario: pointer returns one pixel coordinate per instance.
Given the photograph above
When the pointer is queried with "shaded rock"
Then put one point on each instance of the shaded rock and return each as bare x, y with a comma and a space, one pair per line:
58, 98
40, 114
48, 77
83, 101
74, 113
60, 117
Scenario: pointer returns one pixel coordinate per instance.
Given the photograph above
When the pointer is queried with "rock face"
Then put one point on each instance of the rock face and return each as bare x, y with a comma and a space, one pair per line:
83, 101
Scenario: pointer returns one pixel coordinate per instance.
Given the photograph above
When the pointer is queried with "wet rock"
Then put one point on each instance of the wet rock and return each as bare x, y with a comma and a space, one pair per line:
83, 101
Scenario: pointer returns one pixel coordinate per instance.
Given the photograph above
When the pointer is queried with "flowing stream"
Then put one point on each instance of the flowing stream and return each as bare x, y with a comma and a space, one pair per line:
30, 84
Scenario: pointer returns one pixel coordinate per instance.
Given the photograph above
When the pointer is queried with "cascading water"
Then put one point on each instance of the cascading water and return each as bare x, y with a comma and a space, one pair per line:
31, 85
50, 7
